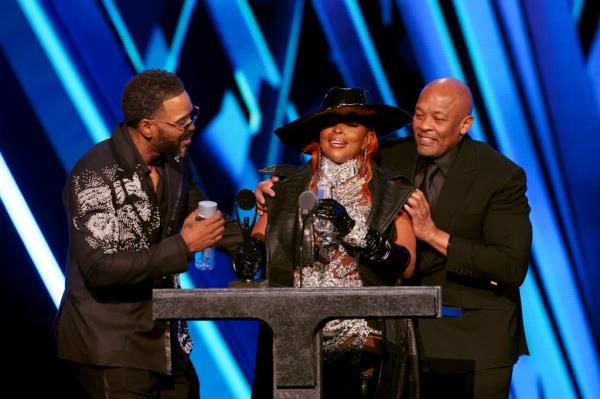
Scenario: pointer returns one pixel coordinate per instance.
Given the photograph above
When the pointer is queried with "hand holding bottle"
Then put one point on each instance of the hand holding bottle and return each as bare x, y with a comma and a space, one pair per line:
330, 209
200, 234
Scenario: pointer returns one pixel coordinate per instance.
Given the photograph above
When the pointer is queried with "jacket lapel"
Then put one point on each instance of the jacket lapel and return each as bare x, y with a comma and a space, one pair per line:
174, 185
456, 186
389, 196
401, 159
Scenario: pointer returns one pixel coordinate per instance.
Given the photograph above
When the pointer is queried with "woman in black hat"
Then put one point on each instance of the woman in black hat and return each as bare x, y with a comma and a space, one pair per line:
357, 236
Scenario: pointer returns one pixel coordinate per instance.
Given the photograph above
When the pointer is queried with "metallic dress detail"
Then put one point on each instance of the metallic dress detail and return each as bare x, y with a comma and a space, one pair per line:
334, 267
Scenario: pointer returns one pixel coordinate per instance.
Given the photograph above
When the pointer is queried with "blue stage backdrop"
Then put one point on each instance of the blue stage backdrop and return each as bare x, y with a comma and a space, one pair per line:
533, 66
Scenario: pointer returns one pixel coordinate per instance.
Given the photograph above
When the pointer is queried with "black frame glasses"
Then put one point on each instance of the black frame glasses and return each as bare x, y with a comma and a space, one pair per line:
193, 116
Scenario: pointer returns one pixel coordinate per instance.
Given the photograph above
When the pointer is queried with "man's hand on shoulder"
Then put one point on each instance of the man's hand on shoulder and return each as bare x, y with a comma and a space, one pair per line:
264, 188
425, 229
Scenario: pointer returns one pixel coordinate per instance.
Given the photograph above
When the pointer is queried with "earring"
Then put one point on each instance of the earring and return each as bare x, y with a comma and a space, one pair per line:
364, 162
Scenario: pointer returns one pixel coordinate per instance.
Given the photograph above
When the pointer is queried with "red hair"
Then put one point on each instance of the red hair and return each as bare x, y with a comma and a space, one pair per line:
314, 149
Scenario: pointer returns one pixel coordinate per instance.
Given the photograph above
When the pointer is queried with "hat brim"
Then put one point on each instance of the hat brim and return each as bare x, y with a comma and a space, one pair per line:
383, 119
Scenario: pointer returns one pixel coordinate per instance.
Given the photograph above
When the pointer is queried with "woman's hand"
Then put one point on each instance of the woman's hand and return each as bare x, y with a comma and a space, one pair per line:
330, 209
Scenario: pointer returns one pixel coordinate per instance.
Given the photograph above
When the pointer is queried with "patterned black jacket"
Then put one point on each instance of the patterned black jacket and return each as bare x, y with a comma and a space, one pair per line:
120, 250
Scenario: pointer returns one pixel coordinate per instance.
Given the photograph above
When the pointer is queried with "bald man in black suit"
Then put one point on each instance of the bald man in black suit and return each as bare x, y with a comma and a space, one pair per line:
474, 240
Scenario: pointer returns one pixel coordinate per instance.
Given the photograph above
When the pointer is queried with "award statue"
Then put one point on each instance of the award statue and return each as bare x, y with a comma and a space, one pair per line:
246, 263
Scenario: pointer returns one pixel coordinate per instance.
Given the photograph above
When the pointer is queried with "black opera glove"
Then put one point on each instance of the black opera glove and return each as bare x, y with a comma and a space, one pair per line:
330, 209
376, 247
388, 257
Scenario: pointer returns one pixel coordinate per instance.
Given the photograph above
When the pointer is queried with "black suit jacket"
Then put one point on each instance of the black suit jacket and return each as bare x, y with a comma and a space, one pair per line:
120, 250
483, 207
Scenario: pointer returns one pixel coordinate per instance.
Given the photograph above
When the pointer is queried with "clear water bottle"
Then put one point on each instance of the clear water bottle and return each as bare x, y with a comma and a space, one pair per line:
325, 228
205, 259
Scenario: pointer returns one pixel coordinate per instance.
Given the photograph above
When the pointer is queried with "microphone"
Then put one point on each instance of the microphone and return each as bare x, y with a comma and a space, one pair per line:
306, 202
245, 199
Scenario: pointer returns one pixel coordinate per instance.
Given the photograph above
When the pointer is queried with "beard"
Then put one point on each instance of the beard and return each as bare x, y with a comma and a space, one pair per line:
172, 146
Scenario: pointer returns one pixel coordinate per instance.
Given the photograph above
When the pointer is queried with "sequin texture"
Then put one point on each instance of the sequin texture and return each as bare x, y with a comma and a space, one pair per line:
335, 267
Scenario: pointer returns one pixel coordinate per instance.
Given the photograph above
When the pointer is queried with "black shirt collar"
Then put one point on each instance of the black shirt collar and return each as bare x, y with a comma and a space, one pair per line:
444, 162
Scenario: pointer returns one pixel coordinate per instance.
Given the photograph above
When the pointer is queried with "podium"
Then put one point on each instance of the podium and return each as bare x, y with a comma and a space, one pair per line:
295, 316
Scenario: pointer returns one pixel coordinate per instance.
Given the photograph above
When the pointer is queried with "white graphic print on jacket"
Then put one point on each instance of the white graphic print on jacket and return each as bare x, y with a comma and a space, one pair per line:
114, 229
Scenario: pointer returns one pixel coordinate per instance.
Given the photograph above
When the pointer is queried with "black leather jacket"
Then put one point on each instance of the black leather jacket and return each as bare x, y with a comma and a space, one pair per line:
399, 371
282, 238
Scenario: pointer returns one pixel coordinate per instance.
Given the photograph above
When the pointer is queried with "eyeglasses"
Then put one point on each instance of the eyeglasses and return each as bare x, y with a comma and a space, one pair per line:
193, 116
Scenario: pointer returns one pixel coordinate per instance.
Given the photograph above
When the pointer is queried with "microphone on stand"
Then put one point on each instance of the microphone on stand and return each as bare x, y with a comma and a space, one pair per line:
306, 204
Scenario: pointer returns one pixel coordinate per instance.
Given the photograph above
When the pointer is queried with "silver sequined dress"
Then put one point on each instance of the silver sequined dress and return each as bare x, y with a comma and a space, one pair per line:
334, 266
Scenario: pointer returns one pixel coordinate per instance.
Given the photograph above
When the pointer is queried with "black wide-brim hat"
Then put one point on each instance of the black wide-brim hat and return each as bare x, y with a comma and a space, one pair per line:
339, 105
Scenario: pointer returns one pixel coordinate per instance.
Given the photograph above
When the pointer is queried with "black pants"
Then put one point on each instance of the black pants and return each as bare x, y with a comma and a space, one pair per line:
123, 382
345, 377
480, 384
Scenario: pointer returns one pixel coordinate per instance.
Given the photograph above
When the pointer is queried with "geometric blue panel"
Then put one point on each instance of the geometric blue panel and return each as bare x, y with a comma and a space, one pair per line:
253, 65
575, 119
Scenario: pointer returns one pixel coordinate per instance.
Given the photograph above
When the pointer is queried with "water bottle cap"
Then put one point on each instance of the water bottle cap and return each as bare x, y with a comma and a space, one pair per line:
206, 208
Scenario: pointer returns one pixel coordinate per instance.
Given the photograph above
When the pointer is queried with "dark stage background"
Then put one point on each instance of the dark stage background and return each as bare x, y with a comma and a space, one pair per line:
533, 66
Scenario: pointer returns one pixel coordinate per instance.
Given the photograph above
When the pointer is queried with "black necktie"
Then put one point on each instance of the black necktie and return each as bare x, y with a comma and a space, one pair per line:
428, 185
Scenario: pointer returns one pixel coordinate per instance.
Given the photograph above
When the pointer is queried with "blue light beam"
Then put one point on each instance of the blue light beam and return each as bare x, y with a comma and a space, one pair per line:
30, 233
65, 70
123, 32
180, 31
212, 357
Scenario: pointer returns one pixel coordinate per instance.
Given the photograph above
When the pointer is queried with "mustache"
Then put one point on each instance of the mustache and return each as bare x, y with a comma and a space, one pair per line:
185, 136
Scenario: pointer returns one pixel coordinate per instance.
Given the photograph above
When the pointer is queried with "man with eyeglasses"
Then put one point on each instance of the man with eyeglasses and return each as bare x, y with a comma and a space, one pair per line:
130, 203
